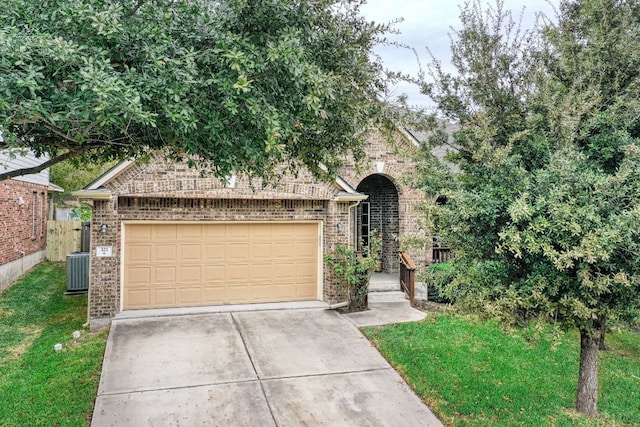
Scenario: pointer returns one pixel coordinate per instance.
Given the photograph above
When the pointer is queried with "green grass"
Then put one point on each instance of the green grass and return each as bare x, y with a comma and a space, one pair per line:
39, 386
472, 373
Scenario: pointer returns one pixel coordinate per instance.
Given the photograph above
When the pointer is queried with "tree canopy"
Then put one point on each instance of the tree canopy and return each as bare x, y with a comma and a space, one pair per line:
544, 212
229, 85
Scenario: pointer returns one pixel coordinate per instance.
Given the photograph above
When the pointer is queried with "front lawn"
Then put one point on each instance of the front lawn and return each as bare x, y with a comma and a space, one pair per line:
471, 373
39, 386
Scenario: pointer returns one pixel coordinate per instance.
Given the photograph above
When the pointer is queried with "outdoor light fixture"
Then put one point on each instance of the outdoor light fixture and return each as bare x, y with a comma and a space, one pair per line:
104, 228
339, 227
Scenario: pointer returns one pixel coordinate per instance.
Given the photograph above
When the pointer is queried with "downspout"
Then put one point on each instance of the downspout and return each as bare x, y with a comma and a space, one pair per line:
338, 305
88, 323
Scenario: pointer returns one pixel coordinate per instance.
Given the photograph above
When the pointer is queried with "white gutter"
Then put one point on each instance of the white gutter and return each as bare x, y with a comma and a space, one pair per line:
102, 194
358, 197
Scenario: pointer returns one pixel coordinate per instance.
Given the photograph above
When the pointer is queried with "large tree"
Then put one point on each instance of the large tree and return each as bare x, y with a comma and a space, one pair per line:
230, 85
544, 212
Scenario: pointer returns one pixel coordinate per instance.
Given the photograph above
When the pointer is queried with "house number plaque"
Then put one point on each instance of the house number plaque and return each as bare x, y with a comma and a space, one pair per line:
104, 251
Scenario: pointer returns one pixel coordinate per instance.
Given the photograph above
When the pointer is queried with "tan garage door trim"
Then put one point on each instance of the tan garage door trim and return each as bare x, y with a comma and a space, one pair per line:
319, 224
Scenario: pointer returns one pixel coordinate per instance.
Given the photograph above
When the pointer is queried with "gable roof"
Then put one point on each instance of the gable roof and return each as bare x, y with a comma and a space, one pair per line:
115, 180
103, 179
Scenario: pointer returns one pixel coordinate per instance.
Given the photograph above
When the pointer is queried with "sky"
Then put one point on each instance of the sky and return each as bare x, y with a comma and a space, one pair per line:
428, 23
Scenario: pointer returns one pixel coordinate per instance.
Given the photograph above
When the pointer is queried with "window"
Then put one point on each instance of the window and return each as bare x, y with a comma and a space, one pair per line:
34, 210
43, 213
365, 227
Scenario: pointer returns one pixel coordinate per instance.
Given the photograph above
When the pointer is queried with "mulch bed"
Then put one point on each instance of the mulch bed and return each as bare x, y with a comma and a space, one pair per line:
430, 306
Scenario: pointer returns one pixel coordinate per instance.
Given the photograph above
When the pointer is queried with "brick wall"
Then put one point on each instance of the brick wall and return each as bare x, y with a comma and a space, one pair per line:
392, 160
105, 271
104, 276
384, 217
23, 219
163, 178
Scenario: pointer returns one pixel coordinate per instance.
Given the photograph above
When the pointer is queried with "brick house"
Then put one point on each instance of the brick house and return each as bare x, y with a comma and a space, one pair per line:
165, 236
24, 207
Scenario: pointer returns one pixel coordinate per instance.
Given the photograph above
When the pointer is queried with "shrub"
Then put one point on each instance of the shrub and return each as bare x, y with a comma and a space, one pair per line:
353, 270
437, 277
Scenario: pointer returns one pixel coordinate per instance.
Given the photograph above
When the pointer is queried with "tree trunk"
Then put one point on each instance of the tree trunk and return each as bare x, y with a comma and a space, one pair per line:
587, 400
603, 332
359, 300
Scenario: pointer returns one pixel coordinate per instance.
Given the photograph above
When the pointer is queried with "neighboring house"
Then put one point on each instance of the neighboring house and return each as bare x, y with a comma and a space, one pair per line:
165, 236
24, 208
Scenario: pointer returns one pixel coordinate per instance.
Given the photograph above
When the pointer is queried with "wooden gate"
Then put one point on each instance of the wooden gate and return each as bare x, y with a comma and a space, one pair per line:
63, 238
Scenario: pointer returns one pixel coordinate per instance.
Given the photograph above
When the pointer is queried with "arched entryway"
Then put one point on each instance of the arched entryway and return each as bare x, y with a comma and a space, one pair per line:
380, 212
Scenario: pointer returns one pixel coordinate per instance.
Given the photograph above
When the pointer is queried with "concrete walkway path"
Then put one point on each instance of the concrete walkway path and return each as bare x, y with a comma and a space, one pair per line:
265, 368
386, 313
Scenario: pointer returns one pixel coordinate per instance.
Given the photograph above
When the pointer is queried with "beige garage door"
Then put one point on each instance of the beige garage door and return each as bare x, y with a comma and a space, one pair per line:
187, 264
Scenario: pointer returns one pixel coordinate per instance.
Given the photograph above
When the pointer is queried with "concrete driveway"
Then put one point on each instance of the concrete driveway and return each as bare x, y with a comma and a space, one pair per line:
262, 368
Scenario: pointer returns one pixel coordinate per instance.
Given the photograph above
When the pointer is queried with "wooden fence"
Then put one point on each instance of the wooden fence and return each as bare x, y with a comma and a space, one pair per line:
63, 238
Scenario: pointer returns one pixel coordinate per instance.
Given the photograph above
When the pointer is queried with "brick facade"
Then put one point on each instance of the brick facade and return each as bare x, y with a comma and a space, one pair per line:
160, 177
392, 160
23, 219
159, 190
384, 217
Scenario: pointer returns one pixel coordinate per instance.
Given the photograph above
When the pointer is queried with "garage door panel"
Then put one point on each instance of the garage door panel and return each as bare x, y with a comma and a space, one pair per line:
213, 273
141, 233
164, 252
172, 265
306, 291
190, 274
216, 232
190, 252
306, 249
215, 252
164, 232
190, 232
286, 292
306, 269
237, 272
287, 230
139, 253
139, 275
164, 274
188, 296
164, 296
139, 298
237, 251
261, 232
282, 271
238, 294
284, 250
213, 295
262, 293
238, 231
260, 251
261, 273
